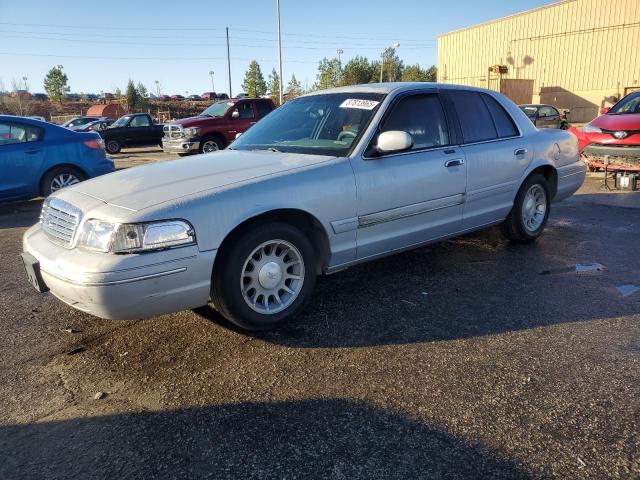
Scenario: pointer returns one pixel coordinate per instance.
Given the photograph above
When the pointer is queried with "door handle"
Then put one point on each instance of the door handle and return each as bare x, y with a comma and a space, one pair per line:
520, 151
456, 162
32, 151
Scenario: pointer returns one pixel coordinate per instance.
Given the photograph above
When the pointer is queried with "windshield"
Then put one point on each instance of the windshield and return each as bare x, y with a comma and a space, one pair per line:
121, 122
629, 104
218, 109
529, 111
318, 125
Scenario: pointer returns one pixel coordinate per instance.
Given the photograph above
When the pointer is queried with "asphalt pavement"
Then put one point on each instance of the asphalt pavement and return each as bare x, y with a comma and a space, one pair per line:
471, 358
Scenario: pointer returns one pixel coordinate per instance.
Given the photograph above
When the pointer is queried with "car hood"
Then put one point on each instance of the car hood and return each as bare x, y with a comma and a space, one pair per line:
625, 121
195, 121
142, 187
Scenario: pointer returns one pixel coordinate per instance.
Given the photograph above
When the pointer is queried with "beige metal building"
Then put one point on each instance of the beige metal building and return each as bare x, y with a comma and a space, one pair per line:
576, 54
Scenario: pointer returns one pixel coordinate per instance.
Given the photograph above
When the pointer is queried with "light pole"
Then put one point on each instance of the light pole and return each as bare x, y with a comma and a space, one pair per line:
158, 88
24, 79
213, 89
339, 52
395, 45
279, 49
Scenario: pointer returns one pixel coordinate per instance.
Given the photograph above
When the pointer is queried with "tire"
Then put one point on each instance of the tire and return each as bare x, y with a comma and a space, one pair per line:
530, 211
58, 178
250, 269
113, 146
210, 144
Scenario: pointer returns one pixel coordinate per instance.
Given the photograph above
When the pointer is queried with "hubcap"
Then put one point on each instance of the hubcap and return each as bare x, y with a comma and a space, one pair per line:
209, 146
63, 180
534, 208
272, 277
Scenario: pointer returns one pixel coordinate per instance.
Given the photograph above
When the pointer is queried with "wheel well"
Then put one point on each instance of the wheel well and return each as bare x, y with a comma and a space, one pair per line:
304, 221
219, 136
60, 165
550, 174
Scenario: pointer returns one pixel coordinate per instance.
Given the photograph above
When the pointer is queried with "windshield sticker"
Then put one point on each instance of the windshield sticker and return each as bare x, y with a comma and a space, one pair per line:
359, 103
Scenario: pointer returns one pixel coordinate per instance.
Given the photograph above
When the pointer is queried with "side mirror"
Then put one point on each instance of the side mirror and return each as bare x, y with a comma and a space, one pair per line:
394, 141
604, 110
235, 114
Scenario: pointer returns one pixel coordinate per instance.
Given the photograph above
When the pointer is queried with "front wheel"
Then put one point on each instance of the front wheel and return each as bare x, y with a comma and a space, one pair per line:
113, 146
530, 211
210, 144
265, 276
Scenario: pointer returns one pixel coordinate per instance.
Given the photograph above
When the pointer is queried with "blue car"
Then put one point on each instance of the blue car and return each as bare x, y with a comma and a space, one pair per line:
37, 158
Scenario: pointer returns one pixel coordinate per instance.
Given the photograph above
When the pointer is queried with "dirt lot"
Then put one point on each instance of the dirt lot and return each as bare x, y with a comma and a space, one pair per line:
472, 358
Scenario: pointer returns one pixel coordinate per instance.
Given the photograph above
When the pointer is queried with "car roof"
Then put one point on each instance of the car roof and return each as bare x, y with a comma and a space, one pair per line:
396, 87
27, 120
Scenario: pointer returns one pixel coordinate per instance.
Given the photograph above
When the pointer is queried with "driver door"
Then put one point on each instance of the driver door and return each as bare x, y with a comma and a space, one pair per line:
241, 117
410, 197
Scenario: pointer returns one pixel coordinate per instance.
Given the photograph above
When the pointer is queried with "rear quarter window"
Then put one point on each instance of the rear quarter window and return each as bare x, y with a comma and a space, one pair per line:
503, 122
264, 108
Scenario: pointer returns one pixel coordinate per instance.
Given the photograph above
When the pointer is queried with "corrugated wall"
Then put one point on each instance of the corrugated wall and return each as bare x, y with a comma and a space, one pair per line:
580, 54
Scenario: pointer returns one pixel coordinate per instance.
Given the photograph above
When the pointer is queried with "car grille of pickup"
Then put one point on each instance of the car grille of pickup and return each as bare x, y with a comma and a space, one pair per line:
60, 221
173, 131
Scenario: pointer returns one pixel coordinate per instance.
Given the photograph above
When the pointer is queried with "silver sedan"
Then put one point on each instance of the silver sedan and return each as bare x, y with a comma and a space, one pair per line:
326, 181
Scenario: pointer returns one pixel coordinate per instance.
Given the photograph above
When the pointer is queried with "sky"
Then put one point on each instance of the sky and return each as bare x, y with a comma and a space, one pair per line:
103, 44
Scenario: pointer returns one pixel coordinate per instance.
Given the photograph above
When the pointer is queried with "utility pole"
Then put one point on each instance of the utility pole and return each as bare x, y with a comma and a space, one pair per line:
213, 88
339, 52
279, 49
229, 63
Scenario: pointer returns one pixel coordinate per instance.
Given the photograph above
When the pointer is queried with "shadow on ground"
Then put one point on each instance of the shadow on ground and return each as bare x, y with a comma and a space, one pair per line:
311, 439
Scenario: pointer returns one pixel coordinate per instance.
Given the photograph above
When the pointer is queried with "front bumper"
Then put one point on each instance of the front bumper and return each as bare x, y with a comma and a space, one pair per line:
123, 287
180, 145
621, 157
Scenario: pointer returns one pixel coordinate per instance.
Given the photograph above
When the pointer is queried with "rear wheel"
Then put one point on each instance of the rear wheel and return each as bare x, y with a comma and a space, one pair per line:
58, 178
113, 146
530, 211
265, 276
210, 144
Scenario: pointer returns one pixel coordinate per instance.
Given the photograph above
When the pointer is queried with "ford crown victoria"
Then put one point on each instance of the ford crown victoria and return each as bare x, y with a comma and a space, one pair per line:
326, 181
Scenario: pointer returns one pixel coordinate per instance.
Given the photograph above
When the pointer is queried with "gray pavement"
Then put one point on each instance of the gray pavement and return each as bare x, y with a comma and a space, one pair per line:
472, 358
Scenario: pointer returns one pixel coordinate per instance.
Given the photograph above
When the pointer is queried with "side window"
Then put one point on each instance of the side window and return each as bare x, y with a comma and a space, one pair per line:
475, 119
263, 108
34, 134
140, 121
11, 133
504, 123
245, 109
422, 116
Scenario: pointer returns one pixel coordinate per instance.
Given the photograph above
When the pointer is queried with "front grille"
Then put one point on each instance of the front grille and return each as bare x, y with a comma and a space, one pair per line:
60, 221
173, 131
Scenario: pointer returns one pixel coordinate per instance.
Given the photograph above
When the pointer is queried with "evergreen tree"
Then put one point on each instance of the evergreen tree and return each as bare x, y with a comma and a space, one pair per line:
55, 83
294, 89
273, 87
254, 84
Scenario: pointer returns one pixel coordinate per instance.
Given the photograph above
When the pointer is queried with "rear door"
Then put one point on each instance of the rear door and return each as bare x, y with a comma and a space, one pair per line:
21, 157
496, 153
414, 196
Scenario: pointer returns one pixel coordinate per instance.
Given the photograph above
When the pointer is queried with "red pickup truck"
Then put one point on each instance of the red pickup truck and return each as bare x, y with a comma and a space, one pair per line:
216, 127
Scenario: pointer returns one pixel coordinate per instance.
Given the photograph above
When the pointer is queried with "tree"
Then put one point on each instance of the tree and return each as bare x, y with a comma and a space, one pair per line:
56, 84
393, 66
132, 96
254, 83
273, 87
359, 70
294, 89
142, 90
117, 93
432, 74
414, 73
329, 73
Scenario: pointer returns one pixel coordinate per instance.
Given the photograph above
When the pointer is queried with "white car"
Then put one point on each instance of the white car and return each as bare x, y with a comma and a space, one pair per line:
326, 181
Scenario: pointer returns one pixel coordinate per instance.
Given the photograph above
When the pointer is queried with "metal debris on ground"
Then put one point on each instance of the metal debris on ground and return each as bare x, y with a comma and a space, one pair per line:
76, 350
70, 330
627, 290
99, 396
581, 463
594, 267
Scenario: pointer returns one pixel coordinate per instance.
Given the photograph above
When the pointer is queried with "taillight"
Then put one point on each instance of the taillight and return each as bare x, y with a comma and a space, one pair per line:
95, 144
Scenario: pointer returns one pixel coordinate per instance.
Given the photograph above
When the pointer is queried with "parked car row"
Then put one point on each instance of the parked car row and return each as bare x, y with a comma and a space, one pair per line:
546, 116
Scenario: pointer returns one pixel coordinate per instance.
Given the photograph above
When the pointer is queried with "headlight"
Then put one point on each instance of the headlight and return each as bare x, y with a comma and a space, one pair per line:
135, 237
588, 128
191, 132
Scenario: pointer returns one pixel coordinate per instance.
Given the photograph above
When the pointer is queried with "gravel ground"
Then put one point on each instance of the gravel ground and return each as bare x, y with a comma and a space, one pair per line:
472, 358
